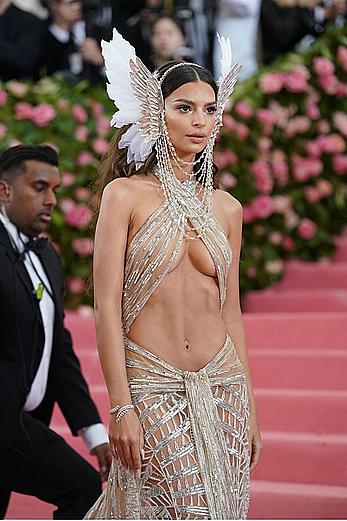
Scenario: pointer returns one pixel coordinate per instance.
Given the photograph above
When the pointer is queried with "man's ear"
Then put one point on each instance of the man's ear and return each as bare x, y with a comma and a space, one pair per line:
5, 191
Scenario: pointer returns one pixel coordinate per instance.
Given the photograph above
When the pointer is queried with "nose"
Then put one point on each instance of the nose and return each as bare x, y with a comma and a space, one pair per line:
51, 199
199, 119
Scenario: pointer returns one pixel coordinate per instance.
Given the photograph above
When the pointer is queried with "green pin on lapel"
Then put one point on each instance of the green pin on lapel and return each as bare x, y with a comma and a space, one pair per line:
39, 291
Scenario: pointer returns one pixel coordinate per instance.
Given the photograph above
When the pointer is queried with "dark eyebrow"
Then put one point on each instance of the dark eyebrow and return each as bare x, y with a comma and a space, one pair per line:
190, 102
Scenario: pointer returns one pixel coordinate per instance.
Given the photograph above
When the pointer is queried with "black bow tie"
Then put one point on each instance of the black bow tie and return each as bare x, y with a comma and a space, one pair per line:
35, 244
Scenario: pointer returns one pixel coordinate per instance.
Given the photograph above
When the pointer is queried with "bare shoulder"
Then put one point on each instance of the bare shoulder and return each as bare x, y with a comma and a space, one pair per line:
227, 204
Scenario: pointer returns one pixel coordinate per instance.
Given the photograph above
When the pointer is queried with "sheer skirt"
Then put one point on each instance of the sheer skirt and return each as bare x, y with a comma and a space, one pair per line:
196, 430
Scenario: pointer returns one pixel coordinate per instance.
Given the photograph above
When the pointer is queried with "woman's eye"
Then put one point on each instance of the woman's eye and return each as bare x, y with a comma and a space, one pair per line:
184, 108
211, 110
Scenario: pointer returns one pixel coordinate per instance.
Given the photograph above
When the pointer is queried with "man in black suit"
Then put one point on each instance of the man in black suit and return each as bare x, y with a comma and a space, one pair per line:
38, 367
21, 39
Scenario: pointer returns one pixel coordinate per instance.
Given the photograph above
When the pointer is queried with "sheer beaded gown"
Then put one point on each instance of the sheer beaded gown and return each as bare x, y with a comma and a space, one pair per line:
195, 423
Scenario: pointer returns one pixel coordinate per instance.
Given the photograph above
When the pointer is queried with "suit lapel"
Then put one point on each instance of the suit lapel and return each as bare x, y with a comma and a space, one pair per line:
45, 256
14, 257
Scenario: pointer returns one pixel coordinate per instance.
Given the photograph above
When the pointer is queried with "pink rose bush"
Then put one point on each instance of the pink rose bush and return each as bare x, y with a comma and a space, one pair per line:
294, 168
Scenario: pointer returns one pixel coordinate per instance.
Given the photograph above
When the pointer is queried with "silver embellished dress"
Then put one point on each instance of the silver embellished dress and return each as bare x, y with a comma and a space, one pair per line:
195, 423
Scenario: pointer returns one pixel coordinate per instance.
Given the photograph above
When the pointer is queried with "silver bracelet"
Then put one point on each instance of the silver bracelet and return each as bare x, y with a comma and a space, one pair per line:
120, 411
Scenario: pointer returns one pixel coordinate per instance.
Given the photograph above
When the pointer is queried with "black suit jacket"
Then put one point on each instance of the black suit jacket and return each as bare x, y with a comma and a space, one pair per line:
283, 27
21, 346
21, 39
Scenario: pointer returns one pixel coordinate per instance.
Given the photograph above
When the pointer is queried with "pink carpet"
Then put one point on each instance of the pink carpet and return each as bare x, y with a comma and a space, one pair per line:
298, 352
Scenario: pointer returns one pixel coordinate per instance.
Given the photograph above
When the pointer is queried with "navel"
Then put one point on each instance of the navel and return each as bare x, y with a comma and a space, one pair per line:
186, 344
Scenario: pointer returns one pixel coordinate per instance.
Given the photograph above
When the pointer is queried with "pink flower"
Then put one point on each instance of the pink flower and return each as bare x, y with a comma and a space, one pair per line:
76, 285
43, 114
79, 216
342, 57
84, 158
264, 143
66, 204
296, 79
83, 246
81, 133
271, 82
242, 131
225, 158
243, 110
307, 229
282, 203
274, 267
64, 104
3, 98
324, 188
251, 272
329, 84
339, 163
79, 114
306, 167
332, 144
288, 243
82, 193
341, 91
103, 127
275, 238
248, 214
24, 110
228, 122
100, 145
17, 88
298, 125
280, 171
265, 117
312, 195
97, 109
323, 67
3, 130
262, 206
340, 122
312, 148
323, 126
260, 168
67, 179
312, 111
228, 180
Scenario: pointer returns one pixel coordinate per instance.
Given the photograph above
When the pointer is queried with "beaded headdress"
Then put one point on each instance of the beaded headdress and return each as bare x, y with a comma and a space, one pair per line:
137, 94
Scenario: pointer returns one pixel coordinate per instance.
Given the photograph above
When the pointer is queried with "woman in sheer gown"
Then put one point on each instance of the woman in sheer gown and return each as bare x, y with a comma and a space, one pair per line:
169, 326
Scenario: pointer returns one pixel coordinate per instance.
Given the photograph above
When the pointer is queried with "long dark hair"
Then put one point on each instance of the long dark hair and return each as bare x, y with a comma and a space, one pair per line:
115, 163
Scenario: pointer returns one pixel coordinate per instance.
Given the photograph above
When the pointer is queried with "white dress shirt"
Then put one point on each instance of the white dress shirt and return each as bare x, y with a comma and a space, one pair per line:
238, 20
93, 435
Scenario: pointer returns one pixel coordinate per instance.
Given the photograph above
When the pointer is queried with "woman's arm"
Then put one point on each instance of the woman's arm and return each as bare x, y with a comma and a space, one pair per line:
117, 203
232, 315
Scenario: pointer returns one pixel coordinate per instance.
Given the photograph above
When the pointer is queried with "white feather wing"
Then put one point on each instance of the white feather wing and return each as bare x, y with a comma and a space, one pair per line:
117, 55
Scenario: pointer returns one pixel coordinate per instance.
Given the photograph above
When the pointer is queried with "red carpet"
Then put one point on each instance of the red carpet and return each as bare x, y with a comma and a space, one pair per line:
298, 352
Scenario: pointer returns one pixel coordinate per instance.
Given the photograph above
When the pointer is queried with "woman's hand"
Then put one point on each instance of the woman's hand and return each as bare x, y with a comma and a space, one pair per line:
126, 440
256, 444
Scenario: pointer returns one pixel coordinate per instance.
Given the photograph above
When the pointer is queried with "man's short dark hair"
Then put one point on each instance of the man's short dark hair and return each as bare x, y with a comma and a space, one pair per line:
13, 158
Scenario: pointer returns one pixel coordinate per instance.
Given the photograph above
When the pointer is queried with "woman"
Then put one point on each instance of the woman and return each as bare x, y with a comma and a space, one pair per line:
166, 259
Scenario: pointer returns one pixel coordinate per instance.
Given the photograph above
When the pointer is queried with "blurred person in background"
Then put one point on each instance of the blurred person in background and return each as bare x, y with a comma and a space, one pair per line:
73, 35
290, 25
21, 40
238, 20
32, 6
133, 20
38, 366
197, 16
168, 42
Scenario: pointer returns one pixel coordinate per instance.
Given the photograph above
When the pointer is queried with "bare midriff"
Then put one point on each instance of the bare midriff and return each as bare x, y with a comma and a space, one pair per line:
181, 322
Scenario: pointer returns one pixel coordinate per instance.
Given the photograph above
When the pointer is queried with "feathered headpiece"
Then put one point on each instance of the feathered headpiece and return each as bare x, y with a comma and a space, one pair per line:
137, 94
